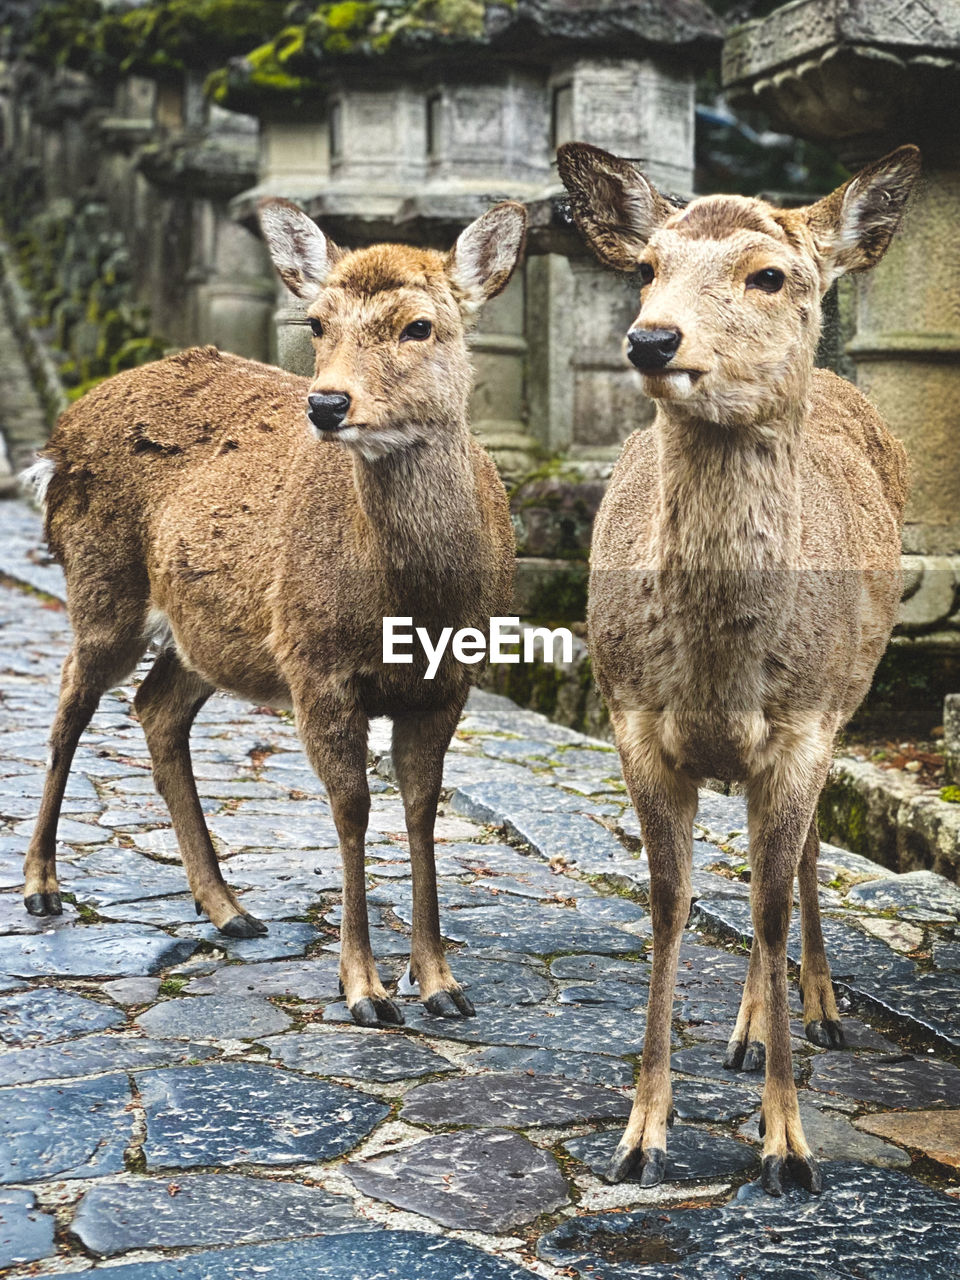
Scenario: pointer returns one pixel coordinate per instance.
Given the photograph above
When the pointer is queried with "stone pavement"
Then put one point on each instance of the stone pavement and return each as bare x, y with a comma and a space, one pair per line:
189, 1106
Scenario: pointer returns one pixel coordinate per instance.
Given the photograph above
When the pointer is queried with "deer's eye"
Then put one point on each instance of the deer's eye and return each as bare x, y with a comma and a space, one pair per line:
316, 328
770, 280
645, 272
417, 331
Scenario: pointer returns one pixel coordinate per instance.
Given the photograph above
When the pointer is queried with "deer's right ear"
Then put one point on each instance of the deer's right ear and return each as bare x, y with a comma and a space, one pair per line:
615, 207
301, 253
482, 261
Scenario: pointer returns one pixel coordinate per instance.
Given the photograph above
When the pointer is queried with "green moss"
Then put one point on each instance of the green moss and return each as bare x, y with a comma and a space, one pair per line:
163, 38
950, 794
172, 986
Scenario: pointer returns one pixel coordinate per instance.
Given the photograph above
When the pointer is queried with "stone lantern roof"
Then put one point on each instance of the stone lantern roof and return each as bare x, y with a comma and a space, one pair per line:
404, 36
861, 75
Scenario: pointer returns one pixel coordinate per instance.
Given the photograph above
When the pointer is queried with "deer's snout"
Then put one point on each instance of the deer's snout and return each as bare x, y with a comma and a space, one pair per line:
650, 349
327, 410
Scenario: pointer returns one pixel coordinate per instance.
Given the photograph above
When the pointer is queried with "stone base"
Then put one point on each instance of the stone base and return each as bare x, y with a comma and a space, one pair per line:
890, 818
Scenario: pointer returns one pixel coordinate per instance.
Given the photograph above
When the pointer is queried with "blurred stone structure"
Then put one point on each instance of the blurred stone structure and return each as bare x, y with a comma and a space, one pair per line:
864, 76
412, 137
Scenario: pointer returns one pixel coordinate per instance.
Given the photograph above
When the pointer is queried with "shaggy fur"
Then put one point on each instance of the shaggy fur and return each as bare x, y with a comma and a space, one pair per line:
191, 495
745, 576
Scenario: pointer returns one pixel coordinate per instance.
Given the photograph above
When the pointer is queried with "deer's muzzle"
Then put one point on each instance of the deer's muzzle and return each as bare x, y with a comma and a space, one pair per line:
327, 411
651, 349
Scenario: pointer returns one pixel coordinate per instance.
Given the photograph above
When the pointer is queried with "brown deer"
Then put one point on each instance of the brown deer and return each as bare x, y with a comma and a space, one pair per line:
192, 498
745, 576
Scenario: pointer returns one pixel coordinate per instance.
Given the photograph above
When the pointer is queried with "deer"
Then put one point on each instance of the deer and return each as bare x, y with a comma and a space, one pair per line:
744, 580
262, 525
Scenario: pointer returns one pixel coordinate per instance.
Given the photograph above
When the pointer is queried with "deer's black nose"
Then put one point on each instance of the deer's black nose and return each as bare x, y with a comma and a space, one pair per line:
327, 411
652, 349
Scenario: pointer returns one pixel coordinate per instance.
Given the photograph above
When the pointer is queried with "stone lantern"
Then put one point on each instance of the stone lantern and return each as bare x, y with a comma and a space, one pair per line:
409, 127
864, 76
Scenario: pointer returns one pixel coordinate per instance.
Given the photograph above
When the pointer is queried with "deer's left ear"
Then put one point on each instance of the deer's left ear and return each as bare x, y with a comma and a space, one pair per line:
482, 261
853, 226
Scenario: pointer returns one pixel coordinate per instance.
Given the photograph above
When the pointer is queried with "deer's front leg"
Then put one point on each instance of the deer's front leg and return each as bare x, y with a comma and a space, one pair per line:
665, 803
779, 824
334, 735
419, 745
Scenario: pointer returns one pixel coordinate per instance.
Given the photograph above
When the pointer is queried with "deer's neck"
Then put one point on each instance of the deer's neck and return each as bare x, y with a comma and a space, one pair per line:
418, 506
729, 496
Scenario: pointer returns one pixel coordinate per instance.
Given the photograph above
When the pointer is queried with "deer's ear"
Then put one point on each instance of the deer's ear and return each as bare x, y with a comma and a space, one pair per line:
301, 253
615, 207
853, 226
482, 261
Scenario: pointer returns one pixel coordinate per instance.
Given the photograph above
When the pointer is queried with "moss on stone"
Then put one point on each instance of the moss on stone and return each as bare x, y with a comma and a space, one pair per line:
950, 794
161, 39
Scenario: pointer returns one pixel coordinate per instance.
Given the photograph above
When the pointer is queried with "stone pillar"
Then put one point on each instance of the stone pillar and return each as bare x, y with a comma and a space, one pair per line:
864, 76
294, 156
907, 354
636, 108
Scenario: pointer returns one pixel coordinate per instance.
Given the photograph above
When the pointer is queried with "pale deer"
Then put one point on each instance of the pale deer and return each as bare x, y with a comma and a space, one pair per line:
745, 576
264, 524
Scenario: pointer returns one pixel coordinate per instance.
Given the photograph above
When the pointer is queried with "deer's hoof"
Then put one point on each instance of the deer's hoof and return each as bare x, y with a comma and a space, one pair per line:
376, 1011
243, 925
652, 1162
743, 1055
770, 1172
828, 1034
449, 1004
43, 904
804, 1171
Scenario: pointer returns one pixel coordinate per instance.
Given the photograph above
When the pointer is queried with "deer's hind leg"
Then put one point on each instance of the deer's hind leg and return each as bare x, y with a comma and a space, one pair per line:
167, 703
419, 745
821, 1017
109, 641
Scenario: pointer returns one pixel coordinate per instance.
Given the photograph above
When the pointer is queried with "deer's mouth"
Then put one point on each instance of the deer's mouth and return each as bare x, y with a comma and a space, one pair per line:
692, 374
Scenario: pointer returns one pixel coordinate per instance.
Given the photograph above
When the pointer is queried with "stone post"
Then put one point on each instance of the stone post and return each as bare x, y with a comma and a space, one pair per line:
864, 76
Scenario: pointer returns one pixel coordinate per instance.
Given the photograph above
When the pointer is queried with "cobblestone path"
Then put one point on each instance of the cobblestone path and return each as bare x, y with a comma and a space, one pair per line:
187, 1106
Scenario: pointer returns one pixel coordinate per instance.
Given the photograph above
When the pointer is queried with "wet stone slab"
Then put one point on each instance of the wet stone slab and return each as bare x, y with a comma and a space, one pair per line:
918, 891
26, 1234
377, 1055
93, 951
512, 1100
571, 1028
489, 1181
713, 1100
284, 939
213, 1018
223, 1209
584, 1068
694, 1154
44, 1015
868, 1222
399, 1255
92, 1054
900, 1081
306, 979
539, 930
590, 968
247, 1113
77, 1130
924, 1003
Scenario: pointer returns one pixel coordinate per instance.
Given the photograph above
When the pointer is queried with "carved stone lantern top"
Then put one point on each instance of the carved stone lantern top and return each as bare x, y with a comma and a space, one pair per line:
404, 37
863, 75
